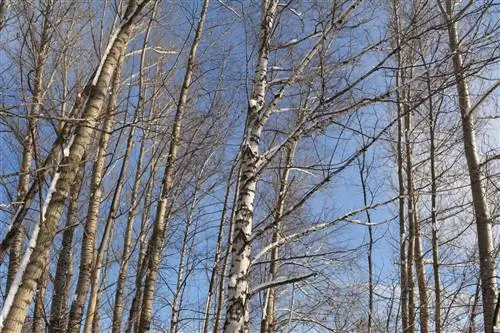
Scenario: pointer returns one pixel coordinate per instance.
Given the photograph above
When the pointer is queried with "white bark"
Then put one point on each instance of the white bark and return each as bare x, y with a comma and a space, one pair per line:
31, 245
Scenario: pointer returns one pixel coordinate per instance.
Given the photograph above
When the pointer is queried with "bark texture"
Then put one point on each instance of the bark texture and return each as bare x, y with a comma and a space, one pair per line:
106, 135
64, 270
487, 263
17, 314
237, 316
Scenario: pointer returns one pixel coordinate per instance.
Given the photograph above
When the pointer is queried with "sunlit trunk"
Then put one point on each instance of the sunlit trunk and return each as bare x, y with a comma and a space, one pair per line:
487, 263
65, 176
156, 243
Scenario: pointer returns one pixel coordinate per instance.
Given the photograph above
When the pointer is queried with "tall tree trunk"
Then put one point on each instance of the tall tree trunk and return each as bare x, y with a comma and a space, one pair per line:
415, 245
364, 174
434, 222
483, 221
27, 158
155, 246
217, 265
403, 236
23, 187
134, 202
174, 318
421, 278
135, 307
227, 254
95, 272
411, 222
237, 316
65, 176
268, 323
64, 269
87, 259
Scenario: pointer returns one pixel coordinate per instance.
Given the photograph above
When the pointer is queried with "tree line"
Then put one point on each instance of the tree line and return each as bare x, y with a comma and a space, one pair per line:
261, 166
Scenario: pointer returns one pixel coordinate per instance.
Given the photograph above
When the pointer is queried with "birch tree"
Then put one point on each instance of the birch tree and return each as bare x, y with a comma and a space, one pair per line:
483, 221
15, 317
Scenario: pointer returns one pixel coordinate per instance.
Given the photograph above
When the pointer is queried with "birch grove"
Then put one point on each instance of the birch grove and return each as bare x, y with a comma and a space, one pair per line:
249, 166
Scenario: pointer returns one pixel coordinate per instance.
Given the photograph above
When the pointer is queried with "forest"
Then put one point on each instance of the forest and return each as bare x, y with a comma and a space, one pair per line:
238, 166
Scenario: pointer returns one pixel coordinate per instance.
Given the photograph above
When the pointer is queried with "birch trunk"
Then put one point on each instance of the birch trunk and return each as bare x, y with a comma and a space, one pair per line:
403, 237
17, 314
106, 134
23, 187
134, 311
64, 270
421, 278
237, 316
216, 265
415, 245
411, 225
39, 315
364, 174
487, 263
435, 239
155, 246
269, 321
134, 201
227, 255
87, 260
174, 319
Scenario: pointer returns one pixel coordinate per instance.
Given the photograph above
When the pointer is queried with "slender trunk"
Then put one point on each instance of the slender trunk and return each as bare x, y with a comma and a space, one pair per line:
496, 316
174, 319
403, 237
415, 245
237, 315
155, 246
363, 173
27, 158
95, 272
216, 265
134, 311
421, 279
268, 323
410, 216
23, 187
64, 270
483, 221
64, 179
227, 254
39, 315
134, 201
434, 222
87, 260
